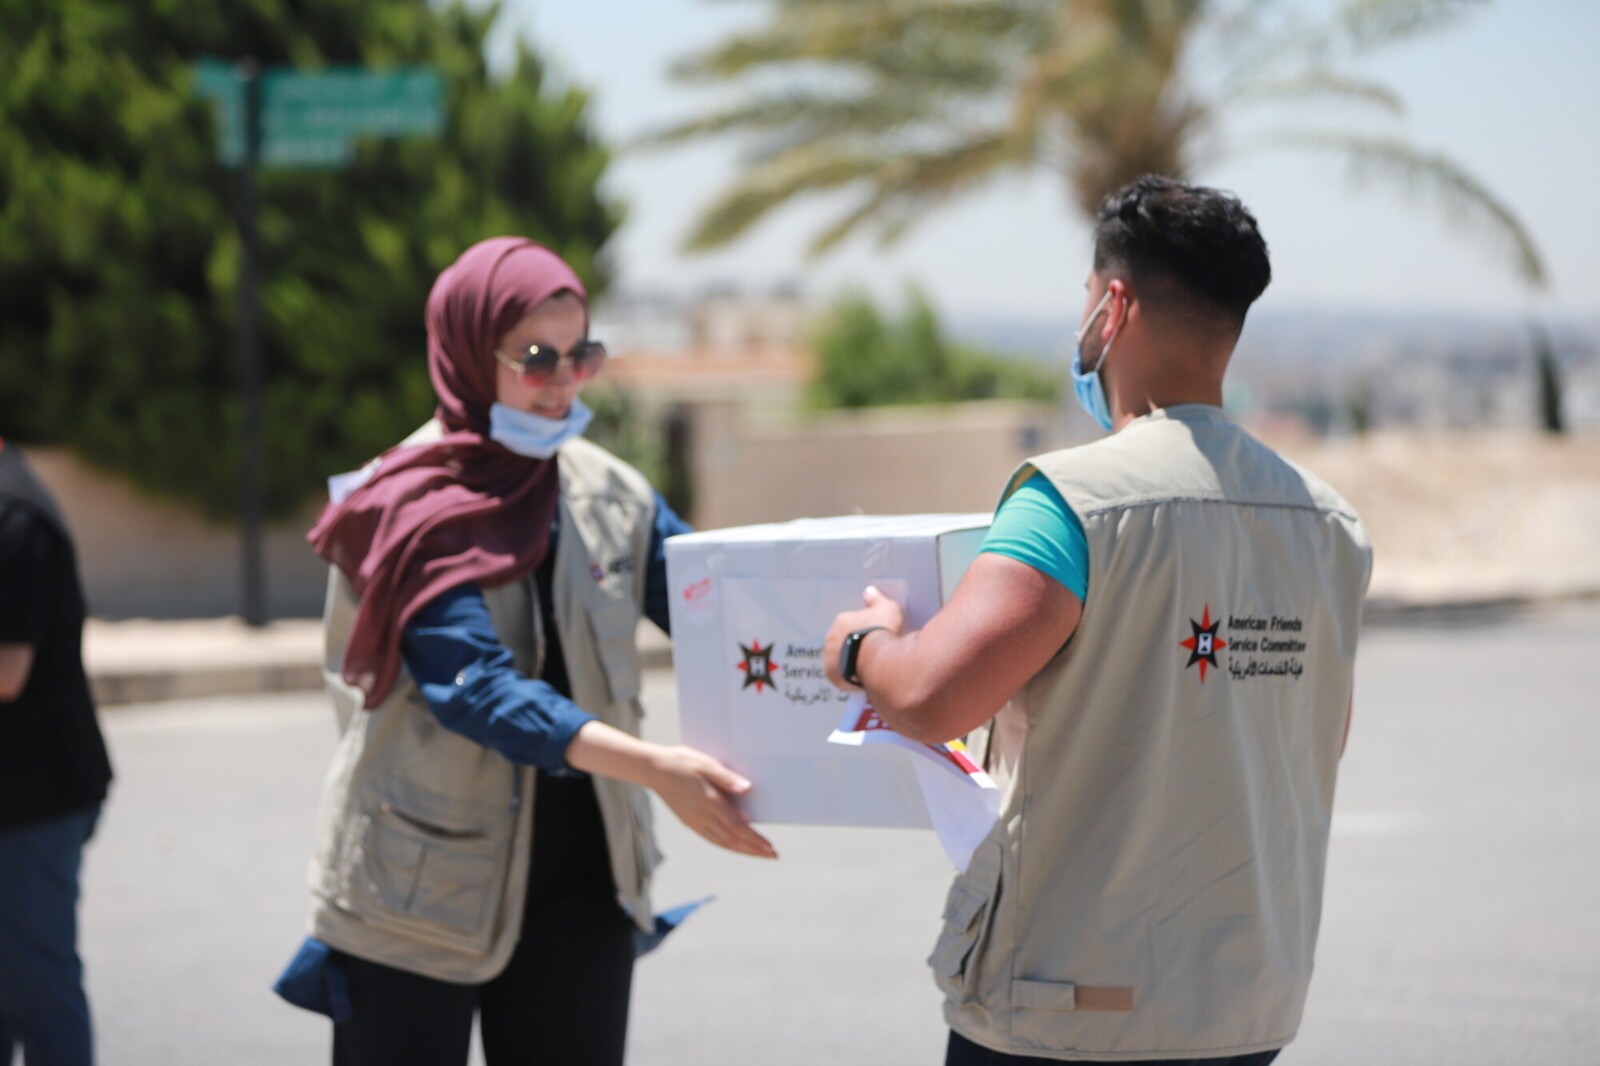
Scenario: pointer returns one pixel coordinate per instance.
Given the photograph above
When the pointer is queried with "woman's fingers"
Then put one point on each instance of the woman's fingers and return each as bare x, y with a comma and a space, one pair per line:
746, 838
700, 791
733, 821
731, 830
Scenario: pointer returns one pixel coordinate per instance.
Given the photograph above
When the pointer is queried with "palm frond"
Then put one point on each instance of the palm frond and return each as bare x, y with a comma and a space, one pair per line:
1318, 83
821, 31
777, 182
1367, 23
1437, 180
798, 113
910, 187
910, 102
856, 32
899, 188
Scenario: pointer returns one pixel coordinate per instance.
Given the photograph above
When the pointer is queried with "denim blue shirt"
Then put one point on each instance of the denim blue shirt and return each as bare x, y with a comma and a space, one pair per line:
467, 678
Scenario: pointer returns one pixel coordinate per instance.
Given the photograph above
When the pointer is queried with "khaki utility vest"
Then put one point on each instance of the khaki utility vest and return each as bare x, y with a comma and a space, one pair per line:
1153, 886
423, 840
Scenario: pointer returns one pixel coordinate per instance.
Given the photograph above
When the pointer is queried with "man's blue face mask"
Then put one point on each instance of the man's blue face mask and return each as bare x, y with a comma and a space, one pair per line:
1091, 392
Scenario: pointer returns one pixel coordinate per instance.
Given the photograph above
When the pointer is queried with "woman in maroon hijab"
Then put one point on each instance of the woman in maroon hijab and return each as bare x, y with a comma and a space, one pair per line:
487, 576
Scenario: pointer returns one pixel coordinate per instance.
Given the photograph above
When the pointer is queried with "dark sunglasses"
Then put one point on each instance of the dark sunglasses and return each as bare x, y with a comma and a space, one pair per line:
540, 361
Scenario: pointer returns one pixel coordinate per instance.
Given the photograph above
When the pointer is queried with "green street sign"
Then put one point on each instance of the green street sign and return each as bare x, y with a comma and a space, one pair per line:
313, 120
351, 102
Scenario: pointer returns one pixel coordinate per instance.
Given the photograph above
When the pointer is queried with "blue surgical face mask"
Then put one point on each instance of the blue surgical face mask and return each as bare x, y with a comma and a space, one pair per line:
536, 436
1091, 391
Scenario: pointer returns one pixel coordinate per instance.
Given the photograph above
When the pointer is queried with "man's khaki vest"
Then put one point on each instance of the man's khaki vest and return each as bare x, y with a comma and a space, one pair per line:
424, 836
1153, 886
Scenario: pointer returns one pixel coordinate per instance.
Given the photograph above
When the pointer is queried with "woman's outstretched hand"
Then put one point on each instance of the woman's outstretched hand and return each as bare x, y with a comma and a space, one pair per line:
696, 787
700, 791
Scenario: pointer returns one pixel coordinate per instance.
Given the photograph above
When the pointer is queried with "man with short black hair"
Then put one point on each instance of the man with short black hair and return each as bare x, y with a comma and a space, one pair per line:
53, 776
1160, 636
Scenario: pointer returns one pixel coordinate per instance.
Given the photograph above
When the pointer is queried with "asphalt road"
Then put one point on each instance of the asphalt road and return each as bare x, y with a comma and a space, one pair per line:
1461, 923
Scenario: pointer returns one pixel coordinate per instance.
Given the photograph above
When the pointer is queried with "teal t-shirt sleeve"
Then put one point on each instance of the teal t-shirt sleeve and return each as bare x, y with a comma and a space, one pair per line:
1034, 525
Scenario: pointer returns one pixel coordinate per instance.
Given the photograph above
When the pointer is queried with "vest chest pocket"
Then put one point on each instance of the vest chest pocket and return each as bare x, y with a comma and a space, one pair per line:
968, 917
428, 881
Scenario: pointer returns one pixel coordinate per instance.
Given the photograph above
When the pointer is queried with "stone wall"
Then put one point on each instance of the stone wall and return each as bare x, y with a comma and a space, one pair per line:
144, 558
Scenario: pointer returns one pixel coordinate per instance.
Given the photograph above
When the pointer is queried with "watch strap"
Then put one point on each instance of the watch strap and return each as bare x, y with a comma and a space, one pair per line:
850, 651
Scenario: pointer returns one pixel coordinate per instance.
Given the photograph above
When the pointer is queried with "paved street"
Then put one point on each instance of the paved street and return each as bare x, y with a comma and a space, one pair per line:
1460, 925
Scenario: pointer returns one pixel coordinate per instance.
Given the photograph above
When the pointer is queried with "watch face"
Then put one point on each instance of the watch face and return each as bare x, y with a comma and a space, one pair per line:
850, 650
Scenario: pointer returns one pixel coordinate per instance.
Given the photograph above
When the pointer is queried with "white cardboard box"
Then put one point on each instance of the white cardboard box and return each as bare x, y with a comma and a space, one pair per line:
750, 607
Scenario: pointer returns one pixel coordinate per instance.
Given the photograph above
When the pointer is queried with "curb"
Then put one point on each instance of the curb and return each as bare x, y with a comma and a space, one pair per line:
114, 688
1388, 611
123, 684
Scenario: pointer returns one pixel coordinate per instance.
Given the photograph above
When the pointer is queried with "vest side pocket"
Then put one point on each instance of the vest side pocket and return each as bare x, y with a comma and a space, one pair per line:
968, 917
425, 881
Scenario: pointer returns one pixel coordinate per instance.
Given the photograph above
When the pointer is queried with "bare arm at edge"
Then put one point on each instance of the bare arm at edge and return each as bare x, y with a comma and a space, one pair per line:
1003, 623
16, 663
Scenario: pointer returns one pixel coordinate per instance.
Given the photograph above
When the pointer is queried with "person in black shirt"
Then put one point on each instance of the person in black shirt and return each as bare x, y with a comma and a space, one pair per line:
54, 772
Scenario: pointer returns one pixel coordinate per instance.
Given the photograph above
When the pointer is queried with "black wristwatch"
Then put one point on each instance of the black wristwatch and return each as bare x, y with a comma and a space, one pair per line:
849, 650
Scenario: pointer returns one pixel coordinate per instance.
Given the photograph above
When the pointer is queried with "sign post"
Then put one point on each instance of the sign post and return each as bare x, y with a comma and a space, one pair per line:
279, 117
249, 340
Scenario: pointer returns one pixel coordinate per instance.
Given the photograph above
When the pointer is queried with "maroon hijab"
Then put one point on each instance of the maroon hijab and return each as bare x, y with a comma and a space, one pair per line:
461, 508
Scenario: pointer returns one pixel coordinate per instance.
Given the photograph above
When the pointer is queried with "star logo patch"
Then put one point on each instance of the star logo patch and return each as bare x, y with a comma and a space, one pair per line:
758, 666
1205, 643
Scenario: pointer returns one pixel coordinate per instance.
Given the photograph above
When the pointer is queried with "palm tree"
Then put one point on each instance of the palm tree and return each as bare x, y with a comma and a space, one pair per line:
909, 103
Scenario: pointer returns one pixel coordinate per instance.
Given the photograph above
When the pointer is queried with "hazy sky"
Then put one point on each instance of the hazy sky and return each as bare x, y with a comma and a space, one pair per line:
1512, 92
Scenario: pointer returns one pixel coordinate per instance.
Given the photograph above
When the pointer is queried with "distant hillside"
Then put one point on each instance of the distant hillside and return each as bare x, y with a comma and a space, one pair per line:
1308, 335
1340, 371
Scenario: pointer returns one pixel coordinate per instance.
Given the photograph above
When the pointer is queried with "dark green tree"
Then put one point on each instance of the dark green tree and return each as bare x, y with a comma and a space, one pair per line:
119, 256
866, 358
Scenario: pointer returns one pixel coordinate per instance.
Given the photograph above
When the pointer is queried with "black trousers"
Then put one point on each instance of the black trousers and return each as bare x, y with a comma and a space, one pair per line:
563, 997
963, 1052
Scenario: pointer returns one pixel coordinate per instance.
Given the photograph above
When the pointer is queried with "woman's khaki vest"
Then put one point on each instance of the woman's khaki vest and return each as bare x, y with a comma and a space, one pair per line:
423, 835
1153, 886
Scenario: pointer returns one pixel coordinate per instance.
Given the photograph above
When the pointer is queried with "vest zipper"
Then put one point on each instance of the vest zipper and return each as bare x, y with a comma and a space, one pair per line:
538, 628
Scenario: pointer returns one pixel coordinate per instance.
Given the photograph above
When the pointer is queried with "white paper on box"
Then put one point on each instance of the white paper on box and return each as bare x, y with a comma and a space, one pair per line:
963, 801
750, 607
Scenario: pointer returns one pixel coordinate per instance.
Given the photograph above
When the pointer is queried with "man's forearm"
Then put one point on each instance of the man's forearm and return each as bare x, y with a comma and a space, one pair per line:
1003, 623
905, 692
